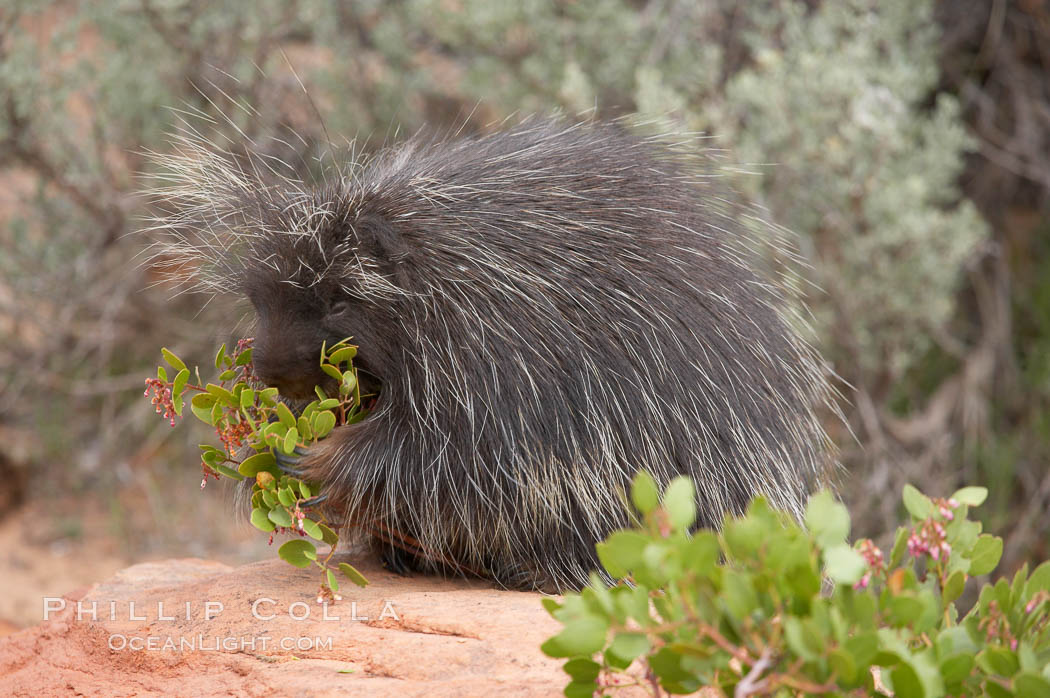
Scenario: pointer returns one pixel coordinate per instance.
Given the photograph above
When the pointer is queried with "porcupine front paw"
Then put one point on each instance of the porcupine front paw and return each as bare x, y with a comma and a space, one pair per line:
397, 561
289, 465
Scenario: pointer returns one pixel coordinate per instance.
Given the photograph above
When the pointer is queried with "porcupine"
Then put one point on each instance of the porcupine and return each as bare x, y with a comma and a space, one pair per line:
542, 312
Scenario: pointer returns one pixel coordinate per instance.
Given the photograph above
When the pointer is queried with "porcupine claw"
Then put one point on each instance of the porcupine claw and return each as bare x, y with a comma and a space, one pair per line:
287, 465
313, 501
287, 462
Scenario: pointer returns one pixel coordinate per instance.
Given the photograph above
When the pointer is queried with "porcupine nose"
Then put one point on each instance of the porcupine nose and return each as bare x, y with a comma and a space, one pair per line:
290, 369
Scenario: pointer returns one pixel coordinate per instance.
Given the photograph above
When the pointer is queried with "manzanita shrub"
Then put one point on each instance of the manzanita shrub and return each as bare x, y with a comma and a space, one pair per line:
252, 426
771, 607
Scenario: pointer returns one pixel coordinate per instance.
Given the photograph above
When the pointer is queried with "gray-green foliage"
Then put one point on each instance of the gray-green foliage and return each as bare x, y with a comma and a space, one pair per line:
833, 109
867, 169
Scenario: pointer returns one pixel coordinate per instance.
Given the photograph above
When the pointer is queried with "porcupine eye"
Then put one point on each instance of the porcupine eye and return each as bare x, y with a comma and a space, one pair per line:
338, 310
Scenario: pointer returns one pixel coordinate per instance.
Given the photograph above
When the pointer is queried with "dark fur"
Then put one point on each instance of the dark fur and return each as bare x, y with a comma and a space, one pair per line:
563, 305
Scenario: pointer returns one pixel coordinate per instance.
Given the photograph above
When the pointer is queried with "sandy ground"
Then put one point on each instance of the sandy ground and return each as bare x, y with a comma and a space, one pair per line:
38, 559
53, 548
405, 636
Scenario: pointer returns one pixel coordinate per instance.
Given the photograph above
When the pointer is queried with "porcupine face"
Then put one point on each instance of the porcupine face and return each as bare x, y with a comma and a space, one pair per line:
294, 320
288, 336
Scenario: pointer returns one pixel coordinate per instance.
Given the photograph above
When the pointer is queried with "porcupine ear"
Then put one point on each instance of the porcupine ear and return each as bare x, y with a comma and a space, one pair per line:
388, 246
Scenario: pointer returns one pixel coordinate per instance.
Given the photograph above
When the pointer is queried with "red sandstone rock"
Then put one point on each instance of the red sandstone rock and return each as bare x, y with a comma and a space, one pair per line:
400, 636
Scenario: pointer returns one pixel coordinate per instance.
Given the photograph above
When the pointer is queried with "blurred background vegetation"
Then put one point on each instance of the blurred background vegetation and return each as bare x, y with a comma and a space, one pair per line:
906, 142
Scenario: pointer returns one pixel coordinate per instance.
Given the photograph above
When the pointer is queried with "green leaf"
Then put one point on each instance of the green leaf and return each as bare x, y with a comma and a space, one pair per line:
579, 689
244, 358
328, 404
1031, 685
667, 665
268, 397
843, 664
222, 394
844, 565
261, 521
621, 552
955, 640
744, 536
220, 356
551, 605
906, 683
290, 440
332, 371
201, 405
324, 422
179, 384
252, 466
985, 555
551, 648
702, 553
285, 415
827, 519
1018, 585
962, 535
644, 493
917, 504
991, 689
247, 398
305, 431
162, 373
285, 496
1039, 580
329, 536
351, 573
864, 646
342, 354
900, 546
174, 361
953, 587
739, 594
227, 471
956, 667
281, 517
313, 529
971, 496
680, 503
298, 552
997, 661
634, 603
581, 669
304, 489
583, 635
211, 455
333, 583
348, 384
802, 638
903, 609
629, 645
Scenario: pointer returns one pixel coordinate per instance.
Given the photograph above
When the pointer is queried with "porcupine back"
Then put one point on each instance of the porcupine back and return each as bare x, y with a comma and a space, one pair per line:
564, 305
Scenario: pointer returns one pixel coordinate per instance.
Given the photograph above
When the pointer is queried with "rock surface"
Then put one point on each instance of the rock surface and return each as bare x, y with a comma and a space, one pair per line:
187, 627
